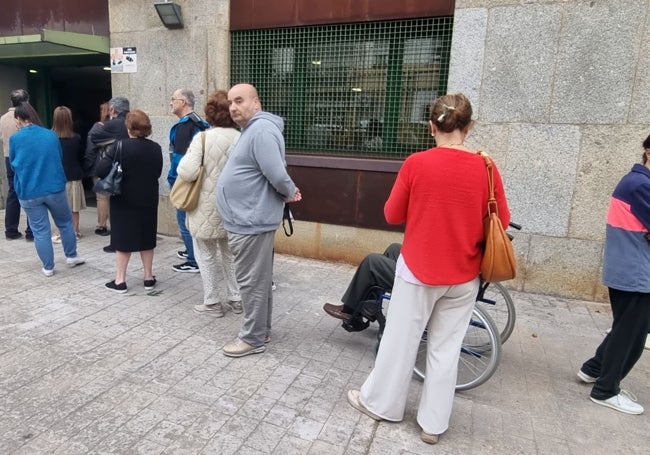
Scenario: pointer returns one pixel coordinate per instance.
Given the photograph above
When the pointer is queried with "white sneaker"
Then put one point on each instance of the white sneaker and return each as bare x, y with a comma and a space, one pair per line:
75, 261
56, 239
355, 402
236, 306
584, 377
623, 402
47, 272
240, 348
215, 310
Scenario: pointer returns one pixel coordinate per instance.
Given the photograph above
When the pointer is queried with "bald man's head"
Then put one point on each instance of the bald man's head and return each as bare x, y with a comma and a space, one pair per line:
244, 103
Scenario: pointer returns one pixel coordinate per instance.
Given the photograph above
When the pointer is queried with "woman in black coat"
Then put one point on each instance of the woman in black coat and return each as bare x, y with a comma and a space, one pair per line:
134, 213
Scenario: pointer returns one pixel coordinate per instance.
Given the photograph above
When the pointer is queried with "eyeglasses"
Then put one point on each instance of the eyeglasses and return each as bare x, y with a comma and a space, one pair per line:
179, 99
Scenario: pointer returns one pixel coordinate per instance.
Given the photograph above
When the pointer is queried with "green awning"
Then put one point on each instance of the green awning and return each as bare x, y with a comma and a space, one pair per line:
52, 44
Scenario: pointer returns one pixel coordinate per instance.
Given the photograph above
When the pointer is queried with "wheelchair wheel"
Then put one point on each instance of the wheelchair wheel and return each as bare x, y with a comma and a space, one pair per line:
496, 301
479, 354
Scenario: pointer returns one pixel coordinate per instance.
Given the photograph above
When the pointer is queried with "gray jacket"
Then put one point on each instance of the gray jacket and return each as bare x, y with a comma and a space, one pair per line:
254, 184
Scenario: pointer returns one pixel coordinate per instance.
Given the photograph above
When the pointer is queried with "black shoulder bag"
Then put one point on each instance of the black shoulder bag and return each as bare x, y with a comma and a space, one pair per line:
111, 185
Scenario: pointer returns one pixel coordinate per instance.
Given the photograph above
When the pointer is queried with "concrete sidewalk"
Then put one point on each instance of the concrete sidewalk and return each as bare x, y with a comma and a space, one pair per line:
87, 371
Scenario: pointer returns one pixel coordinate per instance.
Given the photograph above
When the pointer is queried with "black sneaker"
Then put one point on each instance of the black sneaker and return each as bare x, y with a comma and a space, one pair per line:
119, 288
13, 235
29, 236
102, 230
150, 284
186, 267
182, 254
108, 249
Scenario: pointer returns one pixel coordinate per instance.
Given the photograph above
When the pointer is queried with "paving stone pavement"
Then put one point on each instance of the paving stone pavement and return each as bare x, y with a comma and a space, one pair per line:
87, 371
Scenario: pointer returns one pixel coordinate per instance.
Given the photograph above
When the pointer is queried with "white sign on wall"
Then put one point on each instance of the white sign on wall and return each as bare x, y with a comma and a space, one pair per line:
124, 60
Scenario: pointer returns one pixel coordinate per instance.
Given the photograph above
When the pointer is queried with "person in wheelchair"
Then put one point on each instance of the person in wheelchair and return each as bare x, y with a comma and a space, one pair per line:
374, 275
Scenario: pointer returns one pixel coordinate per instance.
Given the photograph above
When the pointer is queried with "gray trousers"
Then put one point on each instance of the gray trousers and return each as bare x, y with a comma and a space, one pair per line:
254, 272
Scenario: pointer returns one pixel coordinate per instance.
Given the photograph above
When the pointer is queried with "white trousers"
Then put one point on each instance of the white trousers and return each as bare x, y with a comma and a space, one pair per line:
206, 253
445, 311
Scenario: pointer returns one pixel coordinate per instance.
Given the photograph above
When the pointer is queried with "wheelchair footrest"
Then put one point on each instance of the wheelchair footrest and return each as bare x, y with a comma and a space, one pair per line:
355, 325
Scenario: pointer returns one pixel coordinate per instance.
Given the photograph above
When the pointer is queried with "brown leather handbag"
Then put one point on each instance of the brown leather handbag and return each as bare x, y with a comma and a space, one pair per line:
185, 195
499, 263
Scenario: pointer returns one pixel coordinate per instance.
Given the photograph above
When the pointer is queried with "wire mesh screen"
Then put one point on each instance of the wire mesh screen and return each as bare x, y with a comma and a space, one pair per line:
360, 90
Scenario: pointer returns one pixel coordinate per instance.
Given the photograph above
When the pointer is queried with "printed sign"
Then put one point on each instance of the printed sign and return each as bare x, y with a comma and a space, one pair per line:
124, 60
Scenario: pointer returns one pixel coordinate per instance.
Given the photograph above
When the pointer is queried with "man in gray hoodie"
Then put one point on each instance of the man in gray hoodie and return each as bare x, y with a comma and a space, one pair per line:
251, 192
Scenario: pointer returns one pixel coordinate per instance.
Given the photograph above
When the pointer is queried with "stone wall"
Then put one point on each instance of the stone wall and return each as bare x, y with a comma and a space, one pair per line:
561, 93
196, 56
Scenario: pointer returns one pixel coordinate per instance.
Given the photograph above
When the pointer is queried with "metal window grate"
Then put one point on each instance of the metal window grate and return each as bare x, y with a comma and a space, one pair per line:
359, 90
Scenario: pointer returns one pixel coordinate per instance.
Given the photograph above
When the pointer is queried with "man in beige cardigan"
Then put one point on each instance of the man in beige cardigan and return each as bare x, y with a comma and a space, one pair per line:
8, 127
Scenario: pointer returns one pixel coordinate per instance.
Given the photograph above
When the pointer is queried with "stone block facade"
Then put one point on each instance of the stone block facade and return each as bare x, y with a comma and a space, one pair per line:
563, 86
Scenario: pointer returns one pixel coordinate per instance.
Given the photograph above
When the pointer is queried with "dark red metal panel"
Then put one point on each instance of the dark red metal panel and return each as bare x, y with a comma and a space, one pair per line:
372, 191
29, 17
255, 14
329, 195
352, 196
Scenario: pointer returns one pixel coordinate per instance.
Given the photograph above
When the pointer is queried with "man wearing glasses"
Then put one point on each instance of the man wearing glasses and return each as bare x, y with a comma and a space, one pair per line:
180, 136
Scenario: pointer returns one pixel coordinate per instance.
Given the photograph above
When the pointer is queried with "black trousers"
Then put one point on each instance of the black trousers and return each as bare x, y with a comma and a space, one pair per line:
375, 270
623, 345
12, 206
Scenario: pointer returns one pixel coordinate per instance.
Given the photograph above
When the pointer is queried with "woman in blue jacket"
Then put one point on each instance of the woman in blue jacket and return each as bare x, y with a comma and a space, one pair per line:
39, 181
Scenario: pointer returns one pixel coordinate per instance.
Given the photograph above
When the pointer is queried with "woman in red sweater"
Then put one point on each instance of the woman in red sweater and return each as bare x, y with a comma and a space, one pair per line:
441, 194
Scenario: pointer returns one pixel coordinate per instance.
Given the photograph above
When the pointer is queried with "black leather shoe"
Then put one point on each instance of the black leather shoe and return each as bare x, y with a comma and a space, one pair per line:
29, 237
13, 235
336, 311
108, 249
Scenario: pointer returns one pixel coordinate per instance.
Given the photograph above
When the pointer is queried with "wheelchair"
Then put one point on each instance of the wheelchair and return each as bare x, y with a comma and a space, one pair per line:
480, 351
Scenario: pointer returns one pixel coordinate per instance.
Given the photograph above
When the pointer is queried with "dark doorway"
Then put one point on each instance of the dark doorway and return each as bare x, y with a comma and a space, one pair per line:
81, 88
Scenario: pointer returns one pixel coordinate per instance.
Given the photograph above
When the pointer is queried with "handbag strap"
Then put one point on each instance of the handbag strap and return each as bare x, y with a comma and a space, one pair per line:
492, 202
287, 217
118, 152
202, 146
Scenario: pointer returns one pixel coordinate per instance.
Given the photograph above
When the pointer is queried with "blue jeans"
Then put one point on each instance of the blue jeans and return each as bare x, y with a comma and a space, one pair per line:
186, 236
37, 210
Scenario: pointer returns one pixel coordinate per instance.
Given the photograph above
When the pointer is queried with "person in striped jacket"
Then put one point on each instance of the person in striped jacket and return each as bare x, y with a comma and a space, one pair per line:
626, 272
